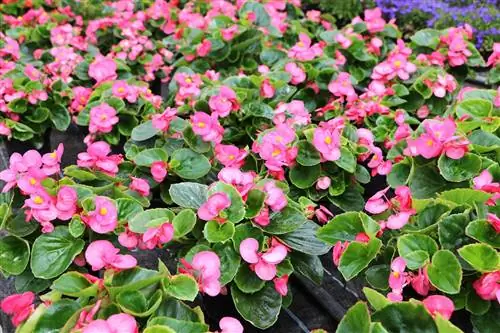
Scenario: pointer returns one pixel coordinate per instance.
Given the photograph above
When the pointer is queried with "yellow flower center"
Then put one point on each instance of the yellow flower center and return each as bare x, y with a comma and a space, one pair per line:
53, 154
32, 181
121, 90
301, 44
38, 200
279, 138
188, 80
328, 140
429, 143
397, 63
276, 152
231, 157
82, 99
104, 117
103, 211
201, 124
396, 274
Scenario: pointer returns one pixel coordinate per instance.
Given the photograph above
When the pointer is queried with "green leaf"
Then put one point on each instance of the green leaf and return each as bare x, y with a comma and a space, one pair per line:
229, 261
189, 195
308, 265
444, 326
285, 221
144, 131
445, 272
346, 226
179, 326
80, 174
482, 257
357, 319
357, 256
148, 156
27, 282
489, 322
195, 142
247, 281
399, 174
254, 203
39, 115
459, 170
347, 161
127, 208
303, 239
60, 117
56, 316
14, 254
244, 231
261, 309
376, 299
350, 200
131, 279
378, 276
430, 215
483, 231
150, 218
236, 212
158, 329
182, 286
416, 249
475, 108
307, 155
76, 226
183, 223
52, 253
475, 304
427, 38
215, 232
135, 303
75, 284
189, 165
304, 176
464, 196
405, 317
451, 231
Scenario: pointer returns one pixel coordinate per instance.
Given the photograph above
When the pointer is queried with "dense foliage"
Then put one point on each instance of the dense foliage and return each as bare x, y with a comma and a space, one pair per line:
281, 137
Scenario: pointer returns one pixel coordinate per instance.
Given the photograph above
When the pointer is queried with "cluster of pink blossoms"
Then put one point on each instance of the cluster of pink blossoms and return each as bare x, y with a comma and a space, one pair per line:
326, 138
396, 65
205, 268
98, 158
401, 204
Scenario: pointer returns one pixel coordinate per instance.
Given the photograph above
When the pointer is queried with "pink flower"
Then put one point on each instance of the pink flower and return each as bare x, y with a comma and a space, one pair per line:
326, 139
228, 33
275, 198
224, 102
439, 304
102, 254
242, 181
297, 73
51, 161
189, 86
323, 214
397, 221
378, 203
338, 249
303, 50
484, 181
103, 69
264, 264
97, 157
140, 185
494, 58
80, 98
156, 237
428, 146
230, 325
205, 266
313, 15
61, 35
19, 306
102, 119
5, 130
374, 21
162, 121
104, 218
204, 48
457, 48
342, 86
66, 204
494, 221
117, 323
443, 84
32, 73
281, 285
397, 278
420, 282
159, 170
208, 127
293, 114
120, 89
343, 41
215, 204
323, 183
230, 155
488, 286
266, 89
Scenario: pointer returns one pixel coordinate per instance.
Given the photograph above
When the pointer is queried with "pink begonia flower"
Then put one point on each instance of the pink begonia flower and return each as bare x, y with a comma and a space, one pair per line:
129, 239
104, 218
267, 90
275, 197
443, 84
102, 119
420, 282
228, 33
102, 254
397, 278
242, 181
281, 285
162, 121
338, 250
296, 72
205, 267
264, 263
303, 50
80, 97
156, 237
375, 45
5, 130
458, 51
66, 204
61, 35
230, 325
224, 102
103, 69
342, 86
10, 47
117, 323
293, 114
343, 41
488, 286
120, 89
377, 203
326, 139
215, 204
208, 127
32, 73
439, 304
19, 306
374, 21
51, 161
263, 69
323, 183
484, 181
494, 221
323, 214
313, 15
204, 48
189, 86
159, 170
494, 58
140, 186
230, 155
97, 158
87, 316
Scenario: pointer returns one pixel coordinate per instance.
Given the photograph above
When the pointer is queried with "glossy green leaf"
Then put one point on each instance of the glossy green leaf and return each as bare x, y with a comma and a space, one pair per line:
188, 164
149, 156
150, 218
482, 257
189, 195
215, 232
357, 319
285, 221
14, 254
182, 286
445, 272
459, 170
303, 239
483, 231
405, 317
357, 256
183, 223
